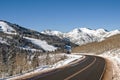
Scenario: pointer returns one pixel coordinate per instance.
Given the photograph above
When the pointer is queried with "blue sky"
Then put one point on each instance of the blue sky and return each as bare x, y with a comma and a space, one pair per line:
62, 15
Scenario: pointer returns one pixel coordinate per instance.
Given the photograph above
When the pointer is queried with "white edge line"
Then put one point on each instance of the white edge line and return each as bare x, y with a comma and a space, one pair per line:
103, 71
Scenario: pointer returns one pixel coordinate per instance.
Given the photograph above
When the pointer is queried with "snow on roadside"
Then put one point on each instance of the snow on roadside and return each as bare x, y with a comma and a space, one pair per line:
42, 44
114, 56
70, 58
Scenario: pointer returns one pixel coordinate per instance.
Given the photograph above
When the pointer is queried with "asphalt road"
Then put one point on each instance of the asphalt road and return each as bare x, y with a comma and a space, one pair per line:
90, 68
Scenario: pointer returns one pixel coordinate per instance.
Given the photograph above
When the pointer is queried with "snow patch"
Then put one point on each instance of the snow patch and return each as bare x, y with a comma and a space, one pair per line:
43, 44
70, 59
4, 27
30, 49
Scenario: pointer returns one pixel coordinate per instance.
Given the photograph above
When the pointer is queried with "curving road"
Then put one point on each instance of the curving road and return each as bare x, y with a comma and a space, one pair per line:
90, 68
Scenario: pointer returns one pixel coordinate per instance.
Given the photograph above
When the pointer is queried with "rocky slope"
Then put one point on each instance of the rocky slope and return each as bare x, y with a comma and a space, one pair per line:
15, 34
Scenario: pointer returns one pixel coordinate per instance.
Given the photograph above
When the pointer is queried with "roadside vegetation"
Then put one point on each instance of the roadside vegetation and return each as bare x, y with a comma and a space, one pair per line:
20, 61
18, 55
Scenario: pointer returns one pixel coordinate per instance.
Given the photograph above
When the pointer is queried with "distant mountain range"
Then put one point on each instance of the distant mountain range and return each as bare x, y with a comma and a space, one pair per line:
82, 36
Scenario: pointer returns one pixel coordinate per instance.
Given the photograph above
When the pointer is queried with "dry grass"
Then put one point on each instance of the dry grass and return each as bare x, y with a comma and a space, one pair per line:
99, 47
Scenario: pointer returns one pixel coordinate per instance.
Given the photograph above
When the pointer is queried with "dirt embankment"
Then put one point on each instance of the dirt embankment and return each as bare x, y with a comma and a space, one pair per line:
109, 71
110, 43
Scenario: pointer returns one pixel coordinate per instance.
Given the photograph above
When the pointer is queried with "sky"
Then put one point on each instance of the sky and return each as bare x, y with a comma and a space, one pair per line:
62, 15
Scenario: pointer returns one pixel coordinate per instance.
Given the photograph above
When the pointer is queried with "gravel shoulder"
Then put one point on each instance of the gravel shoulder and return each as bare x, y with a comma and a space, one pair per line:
109, 71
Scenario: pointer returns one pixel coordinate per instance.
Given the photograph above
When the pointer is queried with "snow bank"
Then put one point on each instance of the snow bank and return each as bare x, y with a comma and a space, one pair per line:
114, 56
70, 59
43, 44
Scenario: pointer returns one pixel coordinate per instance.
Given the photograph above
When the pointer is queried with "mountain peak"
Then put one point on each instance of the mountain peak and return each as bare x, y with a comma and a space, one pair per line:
50, 32
4, 27
101, 30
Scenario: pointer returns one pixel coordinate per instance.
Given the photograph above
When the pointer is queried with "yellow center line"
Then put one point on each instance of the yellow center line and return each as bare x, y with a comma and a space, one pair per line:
80, 70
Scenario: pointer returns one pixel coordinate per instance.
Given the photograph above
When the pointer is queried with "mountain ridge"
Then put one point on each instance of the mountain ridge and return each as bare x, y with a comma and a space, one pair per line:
83, 35
21, 32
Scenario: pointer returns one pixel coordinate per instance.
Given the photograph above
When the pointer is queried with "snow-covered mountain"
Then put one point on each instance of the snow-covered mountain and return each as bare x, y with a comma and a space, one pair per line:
4, 27
28, 39
8, 29
83, 35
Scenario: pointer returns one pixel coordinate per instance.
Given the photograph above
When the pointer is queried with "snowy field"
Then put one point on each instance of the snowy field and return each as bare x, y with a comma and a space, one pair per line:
70, 58
114, 57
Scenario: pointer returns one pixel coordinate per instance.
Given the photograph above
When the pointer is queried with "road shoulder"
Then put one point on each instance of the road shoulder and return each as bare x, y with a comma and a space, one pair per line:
109, 71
